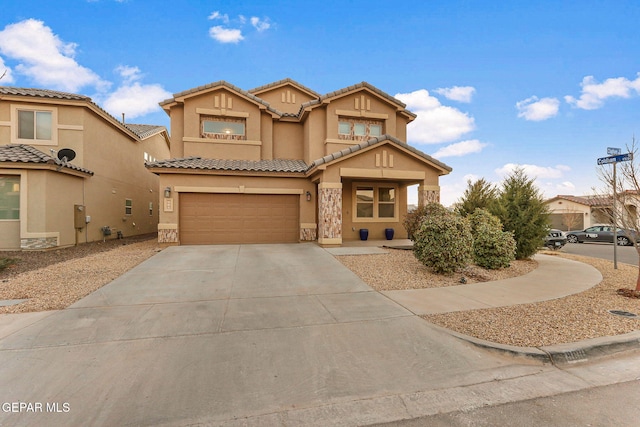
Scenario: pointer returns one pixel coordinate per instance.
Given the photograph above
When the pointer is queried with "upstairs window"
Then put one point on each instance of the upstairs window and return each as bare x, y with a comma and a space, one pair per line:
222, 128
34, 125
359, 130
128, 207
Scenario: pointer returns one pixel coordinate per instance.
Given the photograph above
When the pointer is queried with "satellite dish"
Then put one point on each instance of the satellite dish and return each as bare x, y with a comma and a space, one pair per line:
66, 155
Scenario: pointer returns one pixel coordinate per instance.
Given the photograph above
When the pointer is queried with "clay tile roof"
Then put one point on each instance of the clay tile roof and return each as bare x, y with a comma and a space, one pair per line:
43, 93
20, 153
145, 131
374, 141
586, 200
277, 165
281, 82
221, 83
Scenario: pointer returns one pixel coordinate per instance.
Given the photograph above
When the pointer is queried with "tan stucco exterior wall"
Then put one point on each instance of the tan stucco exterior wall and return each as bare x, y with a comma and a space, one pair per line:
290, 141
48, 196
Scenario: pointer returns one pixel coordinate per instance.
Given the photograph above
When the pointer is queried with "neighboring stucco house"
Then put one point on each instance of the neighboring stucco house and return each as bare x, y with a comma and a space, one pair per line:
48, 200
282, 163
579, 212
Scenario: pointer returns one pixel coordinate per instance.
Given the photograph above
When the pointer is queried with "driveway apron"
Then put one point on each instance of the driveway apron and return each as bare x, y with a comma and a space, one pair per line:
218, 334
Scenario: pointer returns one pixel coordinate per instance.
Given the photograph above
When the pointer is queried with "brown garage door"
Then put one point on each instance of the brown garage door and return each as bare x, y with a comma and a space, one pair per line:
238, 218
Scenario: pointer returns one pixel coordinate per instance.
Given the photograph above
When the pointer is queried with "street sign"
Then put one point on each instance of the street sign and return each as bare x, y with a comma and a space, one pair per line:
611, 151
615, 159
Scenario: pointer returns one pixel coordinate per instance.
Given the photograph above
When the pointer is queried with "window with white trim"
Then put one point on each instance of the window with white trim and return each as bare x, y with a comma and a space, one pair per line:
375, 202
128, 206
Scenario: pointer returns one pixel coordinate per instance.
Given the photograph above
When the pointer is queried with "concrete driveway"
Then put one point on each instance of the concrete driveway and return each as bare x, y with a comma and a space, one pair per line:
247, 335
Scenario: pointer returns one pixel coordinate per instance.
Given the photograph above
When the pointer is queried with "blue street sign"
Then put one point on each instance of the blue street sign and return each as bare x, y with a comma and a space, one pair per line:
615, 159
611, 151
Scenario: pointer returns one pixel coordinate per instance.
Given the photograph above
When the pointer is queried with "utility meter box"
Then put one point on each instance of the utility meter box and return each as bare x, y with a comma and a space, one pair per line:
79, 216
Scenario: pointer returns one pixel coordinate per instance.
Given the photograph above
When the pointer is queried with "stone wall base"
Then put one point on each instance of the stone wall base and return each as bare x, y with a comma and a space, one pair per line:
35, 243
168, 236
308, 234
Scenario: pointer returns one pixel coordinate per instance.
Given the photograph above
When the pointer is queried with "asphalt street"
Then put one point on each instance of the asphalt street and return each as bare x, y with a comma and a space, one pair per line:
625, 254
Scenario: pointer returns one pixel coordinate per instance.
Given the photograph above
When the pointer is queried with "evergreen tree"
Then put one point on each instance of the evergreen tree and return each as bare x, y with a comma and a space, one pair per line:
521, 209
478, 195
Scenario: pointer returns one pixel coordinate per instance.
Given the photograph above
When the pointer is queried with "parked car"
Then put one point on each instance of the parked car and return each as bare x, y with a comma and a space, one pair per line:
603, 233
555, 239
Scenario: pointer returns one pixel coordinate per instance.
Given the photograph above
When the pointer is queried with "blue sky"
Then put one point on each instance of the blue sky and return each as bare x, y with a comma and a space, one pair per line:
546, 85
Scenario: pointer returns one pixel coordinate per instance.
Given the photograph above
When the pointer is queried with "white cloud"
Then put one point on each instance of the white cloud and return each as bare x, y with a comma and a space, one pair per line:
129, 74
536, 110
232, 31
460, 149
594, 94
435, 123
135, 99
45, 58
260, 24
225, 35
219, 16
534, 171
457, 93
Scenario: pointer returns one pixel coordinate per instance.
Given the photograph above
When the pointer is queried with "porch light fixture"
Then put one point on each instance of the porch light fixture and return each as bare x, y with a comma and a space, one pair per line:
308, 196
167, 192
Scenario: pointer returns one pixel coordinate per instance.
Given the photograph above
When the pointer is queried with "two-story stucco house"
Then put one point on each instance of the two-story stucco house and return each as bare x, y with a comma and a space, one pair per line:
282, 163
68, 170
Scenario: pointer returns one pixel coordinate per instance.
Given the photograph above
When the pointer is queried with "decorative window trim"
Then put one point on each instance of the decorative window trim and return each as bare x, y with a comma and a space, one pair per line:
128, 206
222, 135
358, 129
15, 124
376, 202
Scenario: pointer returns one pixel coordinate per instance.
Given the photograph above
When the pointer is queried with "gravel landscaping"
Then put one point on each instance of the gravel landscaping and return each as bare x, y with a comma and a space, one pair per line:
564, 320
54, 280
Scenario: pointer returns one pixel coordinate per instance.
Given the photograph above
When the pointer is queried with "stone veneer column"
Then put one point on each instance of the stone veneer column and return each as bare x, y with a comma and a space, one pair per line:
428, 194
330, 213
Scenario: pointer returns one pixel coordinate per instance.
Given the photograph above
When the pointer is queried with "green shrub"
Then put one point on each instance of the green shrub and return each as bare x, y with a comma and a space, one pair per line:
521, 209
492, 247
478, 195
443, 242
414, 218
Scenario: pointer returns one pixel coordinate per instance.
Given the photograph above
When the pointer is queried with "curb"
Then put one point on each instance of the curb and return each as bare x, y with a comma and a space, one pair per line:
559, 354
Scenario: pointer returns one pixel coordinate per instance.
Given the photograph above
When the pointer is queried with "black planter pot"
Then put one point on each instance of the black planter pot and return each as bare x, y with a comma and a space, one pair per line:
388, 233
364, 233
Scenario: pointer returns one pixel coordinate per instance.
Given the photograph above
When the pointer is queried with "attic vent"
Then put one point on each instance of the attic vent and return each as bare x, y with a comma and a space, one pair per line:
288, 97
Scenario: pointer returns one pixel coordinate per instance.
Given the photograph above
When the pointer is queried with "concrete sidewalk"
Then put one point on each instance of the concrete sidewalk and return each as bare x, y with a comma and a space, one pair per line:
554, 278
